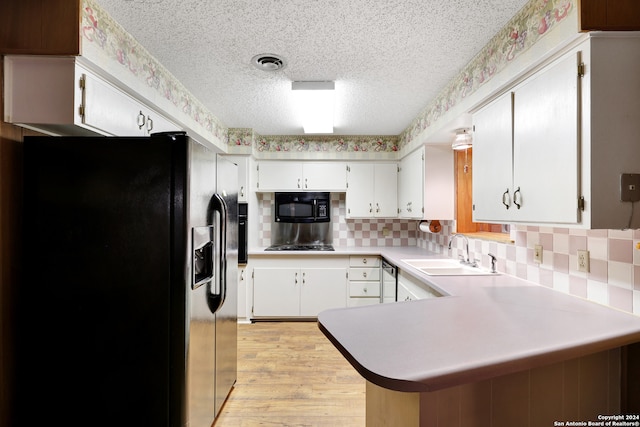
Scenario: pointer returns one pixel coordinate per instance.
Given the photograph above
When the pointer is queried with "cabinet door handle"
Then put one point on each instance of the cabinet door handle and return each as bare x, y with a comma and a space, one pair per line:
377, 208
508, 202
305, 183
298, 182
518, 205
149, 124
296, 278
242, 190
370, 208
241, 275
141, 120
303, 279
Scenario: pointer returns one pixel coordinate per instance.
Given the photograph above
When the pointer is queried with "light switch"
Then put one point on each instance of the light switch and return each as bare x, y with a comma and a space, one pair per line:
630, 187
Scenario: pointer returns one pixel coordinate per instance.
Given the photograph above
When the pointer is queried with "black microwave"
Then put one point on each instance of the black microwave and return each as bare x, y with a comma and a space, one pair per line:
303, 207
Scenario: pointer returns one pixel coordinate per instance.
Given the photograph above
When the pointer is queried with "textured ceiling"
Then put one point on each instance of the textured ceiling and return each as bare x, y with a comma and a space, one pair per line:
389, 58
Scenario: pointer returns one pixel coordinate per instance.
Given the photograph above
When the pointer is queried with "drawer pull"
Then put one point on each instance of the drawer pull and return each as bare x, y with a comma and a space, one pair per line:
364, 274
364, 260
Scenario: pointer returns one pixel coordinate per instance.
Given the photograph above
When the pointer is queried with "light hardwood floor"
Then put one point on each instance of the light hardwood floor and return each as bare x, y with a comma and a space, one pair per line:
289, 374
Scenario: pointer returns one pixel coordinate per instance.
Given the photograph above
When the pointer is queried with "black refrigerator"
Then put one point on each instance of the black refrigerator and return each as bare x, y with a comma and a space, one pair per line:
127, 314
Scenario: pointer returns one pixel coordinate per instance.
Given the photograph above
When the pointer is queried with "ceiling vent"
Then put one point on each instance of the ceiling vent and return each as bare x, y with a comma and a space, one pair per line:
268, 62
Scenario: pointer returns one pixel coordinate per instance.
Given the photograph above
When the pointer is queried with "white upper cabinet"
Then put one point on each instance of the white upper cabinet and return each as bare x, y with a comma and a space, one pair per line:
59, 96
279, 176
243, 175
324, 176
426, 184
372, 190
301, 176
525, 150
552, 150
493, 161
439, 187
411, 185
107, 109
545, 145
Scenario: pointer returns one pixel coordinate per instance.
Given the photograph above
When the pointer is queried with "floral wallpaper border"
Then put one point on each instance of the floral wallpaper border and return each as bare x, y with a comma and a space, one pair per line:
291, 143
525, 29
245, 141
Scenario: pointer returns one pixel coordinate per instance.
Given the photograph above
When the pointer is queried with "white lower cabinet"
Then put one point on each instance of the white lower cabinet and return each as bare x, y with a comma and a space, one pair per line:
411, 289
293, 287
364, 280
243, 312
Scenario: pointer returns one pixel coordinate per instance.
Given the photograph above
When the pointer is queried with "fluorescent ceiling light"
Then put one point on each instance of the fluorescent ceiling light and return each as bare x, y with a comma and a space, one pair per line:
315, 101
463, 140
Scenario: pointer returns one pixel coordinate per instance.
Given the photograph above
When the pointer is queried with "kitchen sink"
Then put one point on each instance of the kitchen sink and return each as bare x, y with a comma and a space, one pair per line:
446, 267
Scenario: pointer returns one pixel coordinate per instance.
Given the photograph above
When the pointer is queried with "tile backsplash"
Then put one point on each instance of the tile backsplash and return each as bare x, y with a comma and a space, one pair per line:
346, 232
613, 278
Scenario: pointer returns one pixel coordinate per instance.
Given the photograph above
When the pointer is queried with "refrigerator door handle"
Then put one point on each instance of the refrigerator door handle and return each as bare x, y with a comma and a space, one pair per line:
218, 294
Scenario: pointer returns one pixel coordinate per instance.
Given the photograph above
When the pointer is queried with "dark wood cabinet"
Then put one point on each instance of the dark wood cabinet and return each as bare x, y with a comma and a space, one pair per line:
40, 27
609, 15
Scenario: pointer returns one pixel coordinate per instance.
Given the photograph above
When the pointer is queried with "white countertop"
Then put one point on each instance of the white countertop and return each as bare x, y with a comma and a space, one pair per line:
486, 326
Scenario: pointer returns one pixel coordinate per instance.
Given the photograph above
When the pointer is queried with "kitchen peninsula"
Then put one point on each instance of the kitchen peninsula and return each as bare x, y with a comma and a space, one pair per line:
493, 351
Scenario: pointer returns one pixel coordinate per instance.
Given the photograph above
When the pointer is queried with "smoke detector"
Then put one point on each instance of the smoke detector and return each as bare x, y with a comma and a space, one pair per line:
268, 62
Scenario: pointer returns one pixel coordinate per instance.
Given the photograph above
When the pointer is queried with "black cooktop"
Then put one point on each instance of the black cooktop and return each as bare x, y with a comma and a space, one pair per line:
310, 247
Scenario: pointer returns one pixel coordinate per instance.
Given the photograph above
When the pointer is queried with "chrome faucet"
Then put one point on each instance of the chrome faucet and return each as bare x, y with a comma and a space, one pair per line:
466, 246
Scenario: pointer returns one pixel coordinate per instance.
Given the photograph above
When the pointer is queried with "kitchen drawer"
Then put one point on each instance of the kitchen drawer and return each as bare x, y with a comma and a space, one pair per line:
359, 302
364, 261
364, 273
364, 289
